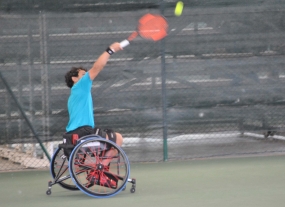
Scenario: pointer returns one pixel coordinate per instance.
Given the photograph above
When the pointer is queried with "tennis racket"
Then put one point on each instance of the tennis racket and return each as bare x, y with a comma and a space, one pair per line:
151, 27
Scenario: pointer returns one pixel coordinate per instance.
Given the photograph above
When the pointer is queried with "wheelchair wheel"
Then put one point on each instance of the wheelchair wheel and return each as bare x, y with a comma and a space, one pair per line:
88, 172
59, 170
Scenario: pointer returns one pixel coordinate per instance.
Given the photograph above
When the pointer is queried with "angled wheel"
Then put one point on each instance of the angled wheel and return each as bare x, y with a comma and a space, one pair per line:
59, 170
86, 167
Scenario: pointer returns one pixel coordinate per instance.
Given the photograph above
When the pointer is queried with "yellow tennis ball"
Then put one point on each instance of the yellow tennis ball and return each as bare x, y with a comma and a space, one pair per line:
179, 8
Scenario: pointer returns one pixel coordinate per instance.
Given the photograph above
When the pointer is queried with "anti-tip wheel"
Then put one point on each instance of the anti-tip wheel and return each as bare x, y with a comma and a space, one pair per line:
48, 192
133, 190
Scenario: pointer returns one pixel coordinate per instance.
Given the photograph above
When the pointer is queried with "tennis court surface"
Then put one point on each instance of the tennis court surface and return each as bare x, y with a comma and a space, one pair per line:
222, 182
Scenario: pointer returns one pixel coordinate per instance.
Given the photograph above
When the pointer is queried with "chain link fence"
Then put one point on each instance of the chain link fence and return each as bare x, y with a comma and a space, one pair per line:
213, 87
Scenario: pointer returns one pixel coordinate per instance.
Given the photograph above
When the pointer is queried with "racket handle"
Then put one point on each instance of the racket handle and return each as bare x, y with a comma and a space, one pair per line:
124, 43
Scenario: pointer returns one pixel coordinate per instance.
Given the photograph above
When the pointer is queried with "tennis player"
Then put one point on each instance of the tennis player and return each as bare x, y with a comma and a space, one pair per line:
80, 105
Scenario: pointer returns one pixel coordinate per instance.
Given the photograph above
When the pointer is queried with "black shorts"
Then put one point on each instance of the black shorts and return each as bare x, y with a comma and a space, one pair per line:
84, 131
87, 130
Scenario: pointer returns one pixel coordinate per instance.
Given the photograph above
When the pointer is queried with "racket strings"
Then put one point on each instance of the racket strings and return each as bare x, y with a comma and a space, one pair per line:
154, 28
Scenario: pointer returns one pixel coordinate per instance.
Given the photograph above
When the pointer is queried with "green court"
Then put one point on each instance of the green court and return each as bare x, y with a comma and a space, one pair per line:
223, 182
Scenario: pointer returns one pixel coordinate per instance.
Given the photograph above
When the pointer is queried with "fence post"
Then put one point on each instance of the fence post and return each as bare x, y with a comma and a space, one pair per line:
163, 93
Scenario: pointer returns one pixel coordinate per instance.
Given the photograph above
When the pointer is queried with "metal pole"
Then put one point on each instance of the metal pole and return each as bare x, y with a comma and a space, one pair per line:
163, 93
44, 72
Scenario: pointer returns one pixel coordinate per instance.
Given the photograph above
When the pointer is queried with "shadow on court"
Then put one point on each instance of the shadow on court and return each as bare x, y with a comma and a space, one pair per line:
225, 182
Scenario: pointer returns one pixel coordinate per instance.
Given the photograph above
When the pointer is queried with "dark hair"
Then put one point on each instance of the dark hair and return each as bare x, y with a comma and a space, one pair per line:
72, 73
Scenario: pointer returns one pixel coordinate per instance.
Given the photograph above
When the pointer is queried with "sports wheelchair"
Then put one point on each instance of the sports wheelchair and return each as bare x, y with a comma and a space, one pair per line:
83, 169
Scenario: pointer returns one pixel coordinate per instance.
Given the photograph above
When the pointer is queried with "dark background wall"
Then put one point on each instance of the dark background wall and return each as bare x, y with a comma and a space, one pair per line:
214, 86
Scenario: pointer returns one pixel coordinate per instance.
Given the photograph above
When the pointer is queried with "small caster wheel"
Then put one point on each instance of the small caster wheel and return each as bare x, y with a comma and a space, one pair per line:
133, 190
48, 192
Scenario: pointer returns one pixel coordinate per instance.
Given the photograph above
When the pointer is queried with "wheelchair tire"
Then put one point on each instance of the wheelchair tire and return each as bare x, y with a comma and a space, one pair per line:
87, 171
59, 170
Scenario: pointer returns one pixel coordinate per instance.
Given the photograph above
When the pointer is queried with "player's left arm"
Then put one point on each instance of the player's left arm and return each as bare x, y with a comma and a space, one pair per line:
102, 60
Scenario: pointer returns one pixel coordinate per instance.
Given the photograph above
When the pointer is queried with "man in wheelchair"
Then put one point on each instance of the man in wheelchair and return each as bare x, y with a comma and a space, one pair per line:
80, 109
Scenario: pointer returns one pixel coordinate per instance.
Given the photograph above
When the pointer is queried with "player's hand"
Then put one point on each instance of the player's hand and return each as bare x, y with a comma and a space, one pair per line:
116, 47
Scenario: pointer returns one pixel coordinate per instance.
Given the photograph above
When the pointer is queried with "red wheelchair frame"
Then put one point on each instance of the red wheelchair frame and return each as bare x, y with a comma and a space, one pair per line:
83, 169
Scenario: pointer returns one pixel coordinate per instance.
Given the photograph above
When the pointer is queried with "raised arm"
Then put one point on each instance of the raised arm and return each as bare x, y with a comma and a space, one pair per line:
102, 60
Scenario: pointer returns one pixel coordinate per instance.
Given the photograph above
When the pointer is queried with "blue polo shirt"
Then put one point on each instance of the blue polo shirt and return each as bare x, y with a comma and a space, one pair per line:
80, 104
